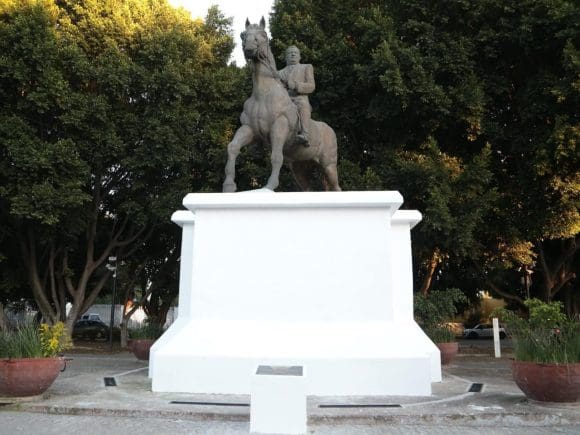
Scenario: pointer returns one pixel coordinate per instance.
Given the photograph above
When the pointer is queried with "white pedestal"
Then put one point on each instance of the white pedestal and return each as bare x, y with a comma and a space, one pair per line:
278, 400
319, 279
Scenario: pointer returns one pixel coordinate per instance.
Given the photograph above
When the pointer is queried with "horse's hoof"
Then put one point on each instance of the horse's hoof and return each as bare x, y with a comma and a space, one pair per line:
229, 187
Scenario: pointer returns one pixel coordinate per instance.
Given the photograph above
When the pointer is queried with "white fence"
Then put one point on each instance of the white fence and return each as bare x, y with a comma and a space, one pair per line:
136, 320
102, 310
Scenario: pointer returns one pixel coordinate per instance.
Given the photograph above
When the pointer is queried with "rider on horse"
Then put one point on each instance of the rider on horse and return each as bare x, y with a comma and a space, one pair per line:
298, 78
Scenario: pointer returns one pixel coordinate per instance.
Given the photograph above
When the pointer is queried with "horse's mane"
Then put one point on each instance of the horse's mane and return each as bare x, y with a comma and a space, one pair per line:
265, 55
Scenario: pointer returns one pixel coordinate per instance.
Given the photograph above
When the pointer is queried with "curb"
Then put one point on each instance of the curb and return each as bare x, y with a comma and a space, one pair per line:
487, 419
141, 413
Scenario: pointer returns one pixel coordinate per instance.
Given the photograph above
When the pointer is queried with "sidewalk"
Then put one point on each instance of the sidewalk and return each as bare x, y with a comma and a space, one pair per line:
81, 390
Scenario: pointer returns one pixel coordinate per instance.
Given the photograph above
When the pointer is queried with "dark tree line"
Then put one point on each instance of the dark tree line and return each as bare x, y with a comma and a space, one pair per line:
470, 109
110, 114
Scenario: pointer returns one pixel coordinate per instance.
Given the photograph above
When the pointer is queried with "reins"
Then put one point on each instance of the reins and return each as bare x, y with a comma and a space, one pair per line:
267, 63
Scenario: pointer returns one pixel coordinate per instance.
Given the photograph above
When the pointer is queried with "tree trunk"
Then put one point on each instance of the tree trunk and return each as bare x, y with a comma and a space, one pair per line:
163, 310
51, 278
432, 264
125, 317
3, 323
557, 271
124, 333
494, 288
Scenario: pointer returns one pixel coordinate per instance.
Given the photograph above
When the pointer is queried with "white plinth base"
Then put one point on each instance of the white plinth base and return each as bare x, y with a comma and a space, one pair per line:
321, 280
341, 359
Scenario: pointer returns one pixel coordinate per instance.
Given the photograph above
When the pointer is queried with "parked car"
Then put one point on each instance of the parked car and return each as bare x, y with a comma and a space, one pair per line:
483, 330
90, 329
91, 316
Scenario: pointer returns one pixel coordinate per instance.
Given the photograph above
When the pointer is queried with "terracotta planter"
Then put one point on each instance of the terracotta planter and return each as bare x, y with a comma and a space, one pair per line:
448, 352
548, 382
23, 377
141, 347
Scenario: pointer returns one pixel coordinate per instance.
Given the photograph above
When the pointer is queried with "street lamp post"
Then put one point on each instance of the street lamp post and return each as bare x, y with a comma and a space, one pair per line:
112, 266
527, 271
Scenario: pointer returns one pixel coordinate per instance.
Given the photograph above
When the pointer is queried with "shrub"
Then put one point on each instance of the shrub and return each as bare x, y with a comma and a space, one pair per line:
150, 331
433, 311
546, 336
33, 341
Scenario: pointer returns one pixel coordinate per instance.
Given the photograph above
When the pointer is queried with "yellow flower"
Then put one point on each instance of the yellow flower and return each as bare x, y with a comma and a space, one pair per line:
54, 339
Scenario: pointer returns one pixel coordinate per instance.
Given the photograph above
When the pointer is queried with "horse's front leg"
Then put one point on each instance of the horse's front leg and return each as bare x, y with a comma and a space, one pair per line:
243, 137
278, 135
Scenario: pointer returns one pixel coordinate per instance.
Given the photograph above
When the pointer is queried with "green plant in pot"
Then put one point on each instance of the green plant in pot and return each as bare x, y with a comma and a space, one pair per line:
30, 358
546, 365
433, 312
142, 338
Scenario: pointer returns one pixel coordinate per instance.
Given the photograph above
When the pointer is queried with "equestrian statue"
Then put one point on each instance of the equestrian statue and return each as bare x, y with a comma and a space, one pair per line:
277, 114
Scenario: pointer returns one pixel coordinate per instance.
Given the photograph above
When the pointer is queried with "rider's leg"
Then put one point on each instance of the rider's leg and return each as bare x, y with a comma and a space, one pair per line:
304, 111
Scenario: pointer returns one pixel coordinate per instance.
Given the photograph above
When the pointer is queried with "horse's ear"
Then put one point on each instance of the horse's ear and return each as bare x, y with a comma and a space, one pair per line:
263, 23
247, 23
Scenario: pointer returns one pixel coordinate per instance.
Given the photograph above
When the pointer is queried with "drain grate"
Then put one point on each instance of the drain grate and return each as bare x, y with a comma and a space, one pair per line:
475, 388
110, 382
370, 405
179, 402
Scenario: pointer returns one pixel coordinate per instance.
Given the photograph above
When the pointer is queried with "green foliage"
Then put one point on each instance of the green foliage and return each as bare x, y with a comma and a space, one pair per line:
469, 108
456, 196
434, 310
24, 342
111, 112
546, 336
147, 331
440, 334
33, 341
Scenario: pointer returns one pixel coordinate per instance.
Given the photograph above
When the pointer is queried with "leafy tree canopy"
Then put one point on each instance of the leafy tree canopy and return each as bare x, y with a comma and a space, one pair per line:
109, 111
470, 108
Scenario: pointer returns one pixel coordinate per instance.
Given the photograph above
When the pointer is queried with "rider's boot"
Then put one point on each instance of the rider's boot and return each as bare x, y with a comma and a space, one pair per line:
302, 138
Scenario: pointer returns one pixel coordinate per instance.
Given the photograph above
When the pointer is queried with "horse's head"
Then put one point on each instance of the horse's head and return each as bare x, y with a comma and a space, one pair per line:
255, 40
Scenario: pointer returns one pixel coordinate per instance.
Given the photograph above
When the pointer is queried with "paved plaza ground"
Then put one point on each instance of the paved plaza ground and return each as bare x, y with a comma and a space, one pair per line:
79, 401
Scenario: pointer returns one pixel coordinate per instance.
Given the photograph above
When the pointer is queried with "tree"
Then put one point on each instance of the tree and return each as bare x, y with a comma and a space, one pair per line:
530, 69
101, 126
474, 78
456, 198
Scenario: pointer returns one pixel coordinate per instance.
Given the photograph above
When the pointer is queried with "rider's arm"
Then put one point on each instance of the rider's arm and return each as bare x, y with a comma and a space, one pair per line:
283, 76
307, 86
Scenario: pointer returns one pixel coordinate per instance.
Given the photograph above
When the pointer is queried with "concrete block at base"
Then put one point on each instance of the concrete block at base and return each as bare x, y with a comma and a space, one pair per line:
278, 400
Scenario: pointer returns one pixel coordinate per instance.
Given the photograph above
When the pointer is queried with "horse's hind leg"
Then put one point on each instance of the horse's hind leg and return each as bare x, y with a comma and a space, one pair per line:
328, 158
331, 177
243, 137
302, 171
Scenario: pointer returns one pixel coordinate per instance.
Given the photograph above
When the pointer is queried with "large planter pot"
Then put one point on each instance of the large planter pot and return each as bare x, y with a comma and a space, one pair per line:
548, 382
448, 352
21, 377
141, 347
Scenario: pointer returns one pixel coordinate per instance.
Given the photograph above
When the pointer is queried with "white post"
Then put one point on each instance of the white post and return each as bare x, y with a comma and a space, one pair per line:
496, 338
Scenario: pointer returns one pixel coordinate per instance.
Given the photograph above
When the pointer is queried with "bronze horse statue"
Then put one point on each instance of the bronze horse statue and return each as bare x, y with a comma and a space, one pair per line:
271, 118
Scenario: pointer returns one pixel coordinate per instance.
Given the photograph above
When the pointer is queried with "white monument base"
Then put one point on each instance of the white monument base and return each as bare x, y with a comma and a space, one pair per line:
320, 280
